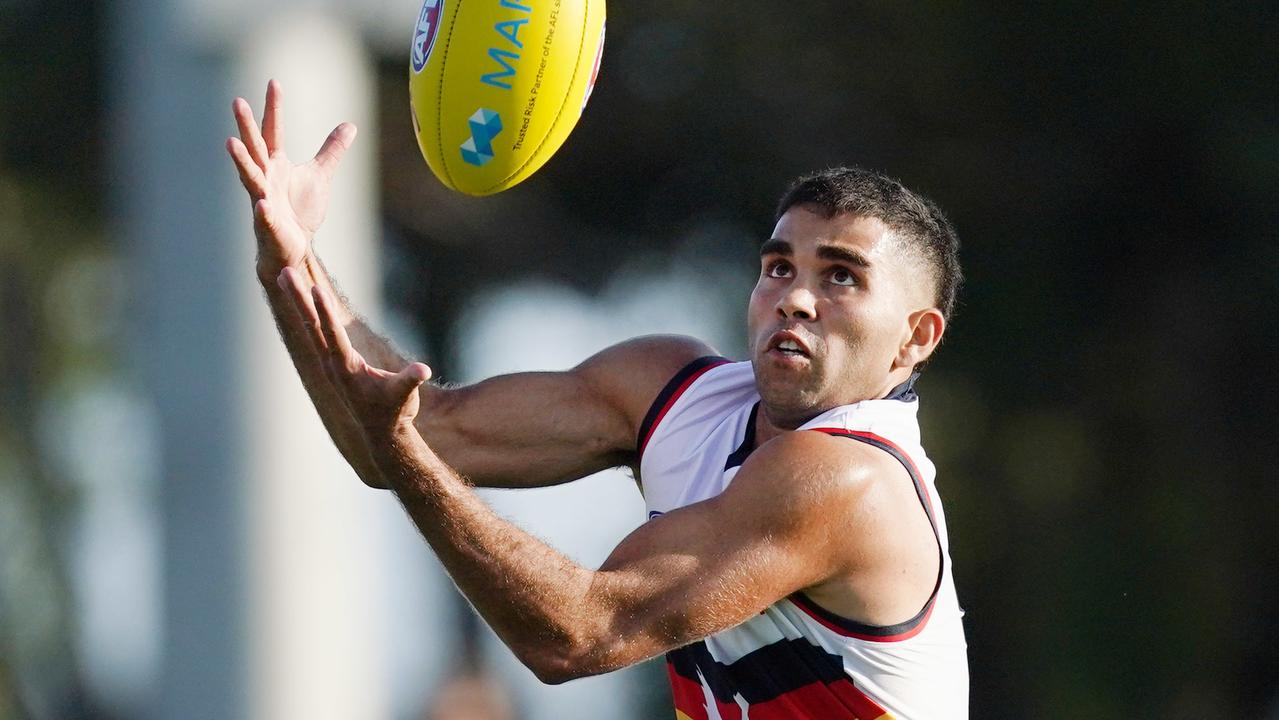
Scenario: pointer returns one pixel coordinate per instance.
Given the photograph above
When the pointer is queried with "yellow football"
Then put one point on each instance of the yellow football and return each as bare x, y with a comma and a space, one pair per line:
496, 86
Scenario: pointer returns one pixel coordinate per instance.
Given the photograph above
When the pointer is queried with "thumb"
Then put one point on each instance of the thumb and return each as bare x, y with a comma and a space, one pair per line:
411, 377
334, 147
421, 370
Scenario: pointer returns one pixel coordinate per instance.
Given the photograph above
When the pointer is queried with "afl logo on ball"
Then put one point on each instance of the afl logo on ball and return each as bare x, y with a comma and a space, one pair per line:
428, 24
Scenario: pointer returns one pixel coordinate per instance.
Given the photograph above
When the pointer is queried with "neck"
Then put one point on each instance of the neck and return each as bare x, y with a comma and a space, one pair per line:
769, 425
765, 430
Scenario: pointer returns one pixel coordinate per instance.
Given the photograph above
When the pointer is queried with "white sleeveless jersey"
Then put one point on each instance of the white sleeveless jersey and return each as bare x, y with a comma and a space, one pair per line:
797, 660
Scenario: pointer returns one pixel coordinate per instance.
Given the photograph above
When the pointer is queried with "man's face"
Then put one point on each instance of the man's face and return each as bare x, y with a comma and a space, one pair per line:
830, 312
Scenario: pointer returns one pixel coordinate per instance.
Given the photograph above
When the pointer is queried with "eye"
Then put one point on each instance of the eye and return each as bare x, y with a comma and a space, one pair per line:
843, 276
778, 269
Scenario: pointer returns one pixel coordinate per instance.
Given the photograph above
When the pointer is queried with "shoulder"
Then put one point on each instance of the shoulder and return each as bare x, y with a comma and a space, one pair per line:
660, 354
631, 374
805, 461
813, 482
851, 512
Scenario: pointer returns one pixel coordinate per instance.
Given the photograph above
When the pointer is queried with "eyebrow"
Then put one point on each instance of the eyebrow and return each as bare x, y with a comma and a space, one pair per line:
776, 247
842, 254
837, 253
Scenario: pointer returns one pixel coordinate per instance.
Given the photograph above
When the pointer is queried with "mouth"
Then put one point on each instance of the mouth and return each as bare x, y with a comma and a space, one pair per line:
789, 345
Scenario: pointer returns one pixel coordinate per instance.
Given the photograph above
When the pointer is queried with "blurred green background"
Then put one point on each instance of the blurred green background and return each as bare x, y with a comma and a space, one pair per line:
1102, 413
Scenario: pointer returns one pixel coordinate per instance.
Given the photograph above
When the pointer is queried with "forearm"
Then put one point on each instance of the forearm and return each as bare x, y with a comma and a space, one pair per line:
549, 610
522, 430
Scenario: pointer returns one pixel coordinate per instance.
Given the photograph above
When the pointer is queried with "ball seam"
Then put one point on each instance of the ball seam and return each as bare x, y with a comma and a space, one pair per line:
577, 66
439, 99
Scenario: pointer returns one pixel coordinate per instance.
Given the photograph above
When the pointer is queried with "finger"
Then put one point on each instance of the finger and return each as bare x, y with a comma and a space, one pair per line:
251, 176
335, 336
334, 147
264, 223
273, 118
298, 292
304, 307
295, 286
249, 131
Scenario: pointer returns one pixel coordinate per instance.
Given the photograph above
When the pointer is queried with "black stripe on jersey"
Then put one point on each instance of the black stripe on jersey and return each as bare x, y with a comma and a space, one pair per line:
862, 630
668, 395
904, 392
738, 456
883, 631
760, 675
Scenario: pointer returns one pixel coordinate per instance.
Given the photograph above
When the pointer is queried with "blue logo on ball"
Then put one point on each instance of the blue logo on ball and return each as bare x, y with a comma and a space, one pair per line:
478, 148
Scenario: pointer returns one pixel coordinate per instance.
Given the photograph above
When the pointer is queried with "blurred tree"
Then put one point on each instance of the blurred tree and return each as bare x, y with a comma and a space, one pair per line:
50, 213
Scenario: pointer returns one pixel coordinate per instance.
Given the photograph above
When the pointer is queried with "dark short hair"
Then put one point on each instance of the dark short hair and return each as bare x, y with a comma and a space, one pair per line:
915, 218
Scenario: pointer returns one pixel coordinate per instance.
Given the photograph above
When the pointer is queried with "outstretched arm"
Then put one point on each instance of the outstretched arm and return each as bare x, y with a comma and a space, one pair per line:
289, 203
523, 430
803, 511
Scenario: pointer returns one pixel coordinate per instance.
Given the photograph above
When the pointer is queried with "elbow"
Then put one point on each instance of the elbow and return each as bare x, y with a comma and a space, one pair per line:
601, 638
557, 673
561, 662
610, 647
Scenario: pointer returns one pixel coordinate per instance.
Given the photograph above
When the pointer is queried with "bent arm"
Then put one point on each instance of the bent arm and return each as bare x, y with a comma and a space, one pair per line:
521, 430
542, 428
683, 576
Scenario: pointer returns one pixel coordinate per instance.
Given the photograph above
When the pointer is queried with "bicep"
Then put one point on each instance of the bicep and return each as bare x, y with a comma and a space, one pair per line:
714, 564
718, 578
542, 428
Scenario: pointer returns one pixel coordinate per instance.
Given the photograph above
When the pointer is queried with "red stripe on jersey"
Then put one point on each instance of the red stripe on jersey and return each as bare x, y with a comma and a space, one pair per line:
863, 706
840, 700
689, 697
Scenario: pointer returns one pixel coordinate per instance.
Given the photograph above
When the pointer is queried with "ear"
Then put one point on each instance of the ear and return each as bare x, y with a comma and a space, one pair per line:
924, 330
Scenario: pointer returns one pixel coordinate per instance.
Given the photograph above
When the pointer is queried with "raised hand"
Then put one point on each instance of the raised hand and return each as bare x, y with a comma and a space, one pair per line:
289, 201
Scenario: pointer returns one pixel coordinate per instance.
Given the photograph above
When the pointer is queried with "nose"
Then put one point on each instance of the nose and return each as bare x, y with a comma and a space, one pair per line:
797, 302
